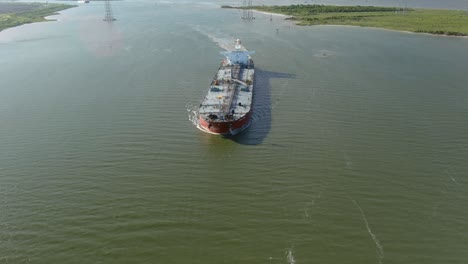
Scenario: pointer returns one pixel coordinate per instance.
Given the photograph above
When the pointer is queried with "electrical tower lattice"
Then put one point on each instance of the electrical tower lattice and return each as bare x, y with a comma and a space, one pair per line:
109, 16
247, 12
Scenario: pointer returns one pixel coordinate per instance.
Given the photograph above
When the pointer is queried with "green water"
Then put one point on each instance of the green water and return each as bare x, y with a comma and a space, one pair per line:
357, 152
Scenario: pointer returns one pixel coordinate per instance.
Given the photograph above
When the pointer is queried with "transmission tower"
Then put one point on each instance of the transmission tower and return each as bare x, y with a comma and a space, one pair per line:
247, 12
402, 7
109, 16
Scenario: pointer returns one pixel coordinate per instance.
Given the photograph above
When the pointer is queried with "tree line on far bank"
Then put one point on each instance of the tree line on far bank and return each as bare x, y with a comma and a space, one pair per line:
316, 9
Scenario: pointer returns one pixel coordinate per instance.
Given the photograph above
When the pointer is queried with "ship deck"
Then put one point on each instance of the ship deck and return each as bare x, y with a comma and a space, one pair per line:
230, 94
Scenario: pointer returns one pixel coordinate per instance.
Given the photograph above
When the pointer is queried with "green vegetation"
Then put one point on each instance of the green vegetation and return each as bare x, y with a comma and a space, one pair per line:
15, 14
441, 22
305, 10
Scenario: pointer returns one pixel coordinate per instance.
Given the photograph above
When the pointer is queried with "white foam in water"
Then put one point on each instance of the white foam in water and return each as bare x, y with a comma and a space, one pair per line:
290, 257
380, 252
453, 179
193, 114
449, 172
226, 43
193, 117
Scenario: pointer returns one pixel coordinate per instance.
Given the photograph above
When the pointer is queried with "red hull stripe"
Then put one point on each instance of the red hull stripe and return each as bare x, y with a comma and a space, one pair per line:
225, 128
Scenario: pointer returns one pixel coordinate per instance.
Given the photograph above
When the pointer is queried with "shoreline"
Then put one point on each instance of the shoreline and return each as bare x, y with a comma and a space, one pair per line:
415, 21
394, 30
34, 15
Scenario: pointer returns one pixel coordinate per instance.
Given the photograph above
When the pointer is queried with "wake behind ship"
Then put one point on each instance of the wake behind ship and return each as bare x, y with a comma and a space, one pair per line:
227, 106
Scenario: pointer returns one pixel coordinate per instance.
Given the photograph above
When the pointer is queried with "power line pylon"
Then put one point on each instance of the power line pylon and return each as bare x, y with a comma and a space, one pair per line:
109, 17
247, 12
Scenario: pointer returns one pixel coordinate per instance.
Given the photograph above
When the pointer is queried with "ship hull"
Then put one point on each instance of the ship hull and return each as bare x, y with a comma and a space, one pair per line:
227, 127
227, 106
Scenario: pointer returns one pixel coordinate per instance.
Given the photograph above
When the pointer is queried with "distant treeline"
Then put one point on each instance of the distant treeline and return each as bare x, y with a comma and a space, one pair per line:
316, 9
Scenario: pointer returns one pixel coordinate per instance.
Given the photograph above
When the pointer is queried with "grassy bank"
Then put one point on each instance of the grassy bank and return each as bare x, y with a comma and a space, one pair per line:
441, 22
15, 14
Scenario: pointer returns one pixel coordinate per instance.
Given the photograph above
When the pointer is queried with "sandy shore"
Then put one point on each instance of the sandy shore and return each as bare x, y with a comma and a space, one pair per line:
273, 14
394, 30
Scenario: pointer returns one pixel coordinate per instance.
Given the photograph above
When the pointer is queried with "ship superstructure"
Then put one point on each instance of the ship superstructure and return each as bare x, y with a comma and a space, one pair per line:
227, 106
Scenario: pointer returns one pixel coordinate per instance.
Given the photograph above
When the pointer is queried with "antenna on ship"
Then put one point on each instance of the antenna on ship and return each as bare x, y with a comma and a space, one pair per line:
109, 16
247, 12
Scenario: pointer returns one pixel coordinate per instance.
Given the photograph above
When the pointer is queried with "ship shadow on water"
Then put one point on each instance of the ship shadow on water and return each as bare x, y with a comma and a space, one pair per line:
262, 105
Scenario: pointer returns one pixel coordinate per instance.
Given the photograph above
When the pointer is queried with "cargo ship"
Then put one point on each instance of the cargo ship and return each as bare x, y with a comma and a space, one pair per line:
227, 106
